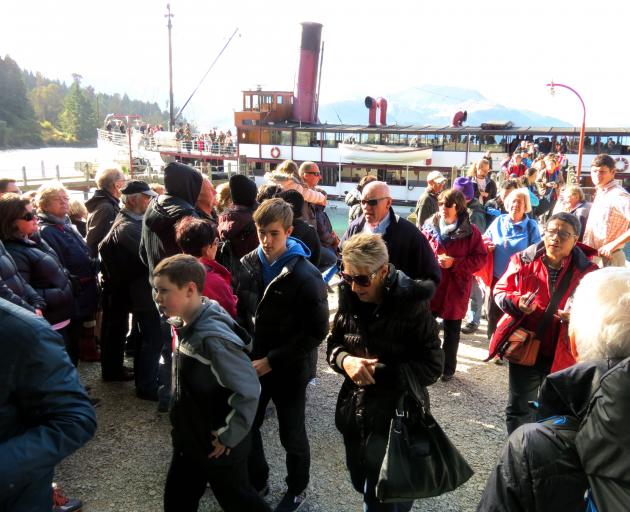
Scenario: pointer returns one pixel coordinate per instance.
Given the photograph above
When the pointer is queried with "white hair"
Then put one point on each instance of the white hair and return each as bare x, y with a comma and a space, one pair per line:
105, 178
519, 192
600, 315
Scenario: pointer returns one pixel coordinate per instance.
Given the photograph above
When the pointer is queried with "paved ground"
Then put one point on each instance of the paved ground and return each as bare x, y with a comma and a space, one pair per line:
124, 466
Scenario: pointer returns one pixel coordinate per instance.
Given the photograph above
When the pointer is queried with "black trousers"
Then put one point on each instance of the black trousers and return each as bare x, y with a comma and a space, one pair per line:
187, 479
289, 396
113, 333
147, 351
451, 345
524, 385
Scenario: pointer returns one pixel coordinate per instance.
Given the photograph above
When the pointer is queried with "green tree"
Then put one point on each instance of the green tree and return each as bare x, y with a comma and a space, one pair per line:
48, 101
77, 118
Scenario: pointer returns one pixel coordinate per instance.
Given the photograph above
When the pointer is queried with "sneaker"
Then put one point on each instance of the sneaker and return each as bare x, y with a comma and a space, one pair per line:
291, 502
61, 503
470, 328
447, 377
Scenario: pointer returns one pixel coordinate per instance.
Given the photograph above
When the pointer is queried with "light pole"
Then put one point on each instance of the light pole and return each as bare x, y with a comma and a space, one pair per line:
581, 145
171, 120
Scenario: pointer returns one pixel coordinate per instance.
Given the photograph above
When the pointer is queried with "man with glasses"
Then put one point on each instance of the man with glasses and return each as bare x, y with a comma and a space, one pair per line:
408, 249
103, 206
607, 228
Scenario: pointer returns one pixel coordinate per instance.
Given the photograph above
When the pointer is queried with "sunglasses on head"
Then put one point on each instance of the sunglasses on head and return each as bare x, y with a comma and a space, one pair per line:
361, 280
372, 202
28, 216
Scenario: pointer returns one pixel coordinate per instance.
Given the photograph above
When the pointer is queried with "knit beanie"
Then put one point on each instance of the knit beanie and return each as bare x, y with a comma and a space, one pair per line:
243, 190
465, 186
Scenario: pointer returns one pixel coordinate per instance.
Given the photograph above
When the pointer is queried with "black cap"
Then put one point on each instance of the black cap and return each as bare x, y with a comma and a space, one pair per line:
138, 187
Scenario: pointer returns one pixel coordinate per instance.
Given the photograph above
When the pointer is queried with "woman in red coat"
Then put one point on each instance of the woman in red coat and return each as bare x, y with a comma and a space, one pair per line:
557, 264
459, 249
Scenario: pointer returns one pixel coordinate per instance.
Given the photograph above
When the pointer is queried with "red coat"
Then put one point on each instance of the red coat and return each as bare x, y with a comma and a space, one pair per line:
526, 273
218, 285
450, 301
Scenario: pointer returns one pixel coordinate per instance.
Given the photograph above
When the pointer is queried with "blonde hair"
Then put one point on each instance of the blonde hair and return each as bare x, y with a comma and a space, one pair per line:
158, 188
519, 192
600, 315
365, 251
274, 210
569, 190
288, 167
77, 210
47, 191
224, 197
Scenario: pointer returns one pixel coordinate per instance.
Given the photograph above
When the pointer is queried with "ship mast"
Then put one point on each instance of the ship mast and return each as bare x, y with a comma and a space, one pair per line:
171, 116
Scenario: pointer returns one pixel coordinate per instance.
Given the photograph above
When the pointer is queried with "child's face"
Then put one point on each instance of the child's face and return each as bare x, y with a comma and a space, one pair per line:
273, 239
172, 300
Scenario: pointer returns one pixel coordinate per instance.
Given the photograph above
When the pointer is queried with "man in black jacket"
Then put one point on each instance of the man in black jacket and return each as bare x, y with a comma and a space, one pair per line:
188, 193
126, 289
103, 206
282, 302
408, 249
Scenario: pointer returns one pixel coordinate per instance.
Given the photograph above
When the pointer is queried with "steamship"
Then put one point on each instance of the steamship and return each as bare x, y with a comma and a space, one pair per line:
275, 125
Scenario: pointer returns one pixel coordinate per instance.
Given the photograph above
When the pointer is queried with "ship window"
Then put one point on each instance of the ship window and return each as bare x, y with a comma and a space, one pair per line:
331, 139
370, 138
280, 137
304, 138
279, 99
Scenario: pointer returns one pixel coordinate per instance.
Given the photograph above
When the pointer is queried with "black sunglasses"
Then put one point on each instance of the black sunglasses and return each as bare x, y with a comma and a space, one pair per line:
361, 280
372, 202
28, 216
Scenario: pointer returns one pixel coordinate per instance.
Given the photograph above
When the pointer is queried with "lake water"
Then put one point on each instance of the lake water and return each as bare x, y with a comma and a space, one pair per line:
12, 161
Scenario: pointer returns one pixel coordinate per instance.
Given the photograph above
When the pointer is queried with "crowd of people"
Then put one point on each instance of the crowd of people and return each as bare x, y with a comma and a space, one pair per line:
221, 298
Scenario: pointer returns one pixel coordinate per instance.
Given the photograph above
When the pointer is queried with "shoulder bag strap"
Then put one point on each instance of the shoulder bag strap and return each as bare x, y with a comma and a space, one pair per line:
556, 297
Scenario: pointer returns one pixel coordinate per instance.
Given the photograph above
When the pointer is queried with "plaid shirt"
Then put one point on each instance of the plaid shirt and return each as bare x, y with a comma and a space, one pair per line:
609, 217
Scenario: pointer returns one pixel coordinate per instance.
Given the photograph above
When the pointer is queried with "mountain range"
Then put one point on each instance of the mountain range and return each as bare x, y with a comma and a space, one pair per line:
434, 105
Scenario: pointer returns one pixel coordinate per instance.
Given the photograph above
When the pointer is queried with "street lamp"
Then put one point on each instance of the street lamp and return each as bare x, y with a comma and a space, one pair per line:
581, 145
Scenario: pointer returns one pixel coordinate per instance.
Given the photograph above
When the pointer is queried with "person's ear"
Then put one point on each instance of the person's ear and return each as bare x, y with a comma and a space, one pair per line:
289, 230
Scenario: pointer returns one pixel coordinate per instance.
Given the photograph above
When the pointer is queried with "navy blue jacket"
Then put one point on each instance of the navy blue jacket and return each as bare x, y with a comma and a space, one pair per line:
13, 287
45, 413
75, 256
408, 249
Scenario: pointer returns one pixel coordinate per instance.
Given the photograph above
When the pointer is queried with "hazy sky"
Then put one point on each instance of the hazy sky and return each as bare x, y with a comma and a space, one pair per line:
506, 50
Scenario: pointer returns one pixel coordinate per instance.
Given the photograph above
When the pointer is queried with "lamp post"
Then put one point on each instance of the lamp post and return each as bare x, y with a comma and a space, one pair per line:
171, 118
581, 145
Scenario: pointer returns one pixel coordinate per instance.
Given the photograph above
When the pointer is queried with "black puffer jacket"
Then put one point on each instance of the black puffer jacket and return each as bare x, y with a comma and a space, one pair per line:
289, 318
102, 209
540, 468
74, 255
183, 185
40, 267
400, 330
13, 287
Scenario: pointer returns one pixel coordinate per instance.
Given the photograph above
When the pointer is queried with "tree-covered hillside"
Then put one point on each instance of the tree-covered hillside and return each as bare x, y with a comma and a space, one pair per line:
35, 110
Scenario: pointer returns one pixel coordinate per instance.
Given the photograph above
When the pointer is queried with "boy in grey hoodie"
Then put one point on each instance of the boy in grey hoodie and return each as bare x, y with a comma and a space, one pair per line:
215, 394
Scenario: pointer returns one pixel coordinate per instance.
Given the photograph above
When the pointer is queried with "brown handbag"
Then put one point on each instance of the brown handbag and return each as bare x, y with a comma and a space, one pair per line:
522, 347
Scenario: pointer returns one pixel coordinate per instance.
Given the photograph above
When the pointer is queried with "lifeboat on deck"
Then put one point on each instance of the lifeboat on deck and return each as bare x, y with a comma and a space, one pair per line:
382, 154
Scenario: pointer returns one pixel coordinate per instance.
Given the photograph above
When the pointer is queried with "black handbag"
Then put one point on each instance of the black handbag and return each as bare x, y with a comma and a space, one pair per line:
420, 461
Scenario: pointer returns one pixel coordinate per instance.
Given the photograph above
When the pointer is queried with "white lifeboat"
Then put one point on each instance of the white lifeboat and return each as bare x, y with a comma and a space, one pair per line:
382, 154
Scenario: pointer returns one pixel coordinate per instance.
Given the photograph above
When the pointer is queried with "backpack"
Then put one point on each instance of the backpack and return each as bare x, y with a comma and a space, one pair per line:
225, 253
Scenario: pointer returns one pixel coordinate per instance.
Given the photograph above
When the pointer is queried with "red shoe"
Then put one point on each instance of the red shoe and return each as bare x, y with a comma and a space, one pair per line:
88, 349
63, 504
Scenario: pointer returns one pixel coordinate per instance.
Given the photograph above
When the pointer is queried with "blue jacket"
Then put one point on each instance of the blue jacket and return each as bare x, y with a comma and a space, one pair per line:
45, 414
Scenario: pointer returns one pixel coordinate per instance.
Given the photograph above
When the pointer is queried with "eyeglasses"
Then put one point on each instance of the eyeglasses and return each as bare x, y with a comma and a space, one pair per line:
314, 173
28, 216
562, 235
372, 202
446, 205
361, 280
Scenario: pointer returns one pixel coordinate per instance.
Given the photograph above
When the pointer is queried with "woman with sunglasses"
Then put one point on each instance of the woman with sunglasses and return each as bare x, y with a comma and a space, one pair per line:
383, 322
36, 261
460, 252
549, 270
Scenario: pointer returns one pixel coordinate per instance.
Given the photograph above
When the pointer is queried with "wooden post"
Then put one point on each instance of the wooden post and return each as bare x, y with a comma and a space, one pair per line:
24, 174
57, 172
43, 170
86, 171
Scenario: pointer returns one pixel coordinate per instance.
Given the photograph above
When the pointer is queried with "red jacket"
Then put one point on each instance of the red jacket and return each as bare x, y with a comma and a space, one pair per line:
527, 273
218, 285
450, 301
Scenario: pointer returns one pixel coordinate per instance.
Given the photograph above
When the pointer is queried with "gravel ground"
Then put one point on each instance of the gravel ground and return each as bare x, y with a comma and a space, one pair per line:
124, 466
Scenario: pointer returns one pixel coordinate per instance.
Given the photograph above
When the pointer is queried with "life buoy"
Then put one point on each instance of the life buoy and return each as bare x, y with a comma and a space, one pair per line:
624, 163
275, 152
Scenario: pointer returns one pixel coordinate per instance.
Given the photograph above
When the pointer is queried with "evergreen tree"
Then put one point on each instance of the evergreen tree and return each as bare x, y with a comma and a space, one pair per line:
77, 118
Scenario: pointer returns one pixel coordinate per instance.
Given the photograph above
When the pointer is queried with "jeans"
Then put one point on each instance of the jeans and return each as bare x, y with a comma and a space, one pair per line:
524, 384
289, 396
147, 353
187, 478
364, 470
476, 304
451, 344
